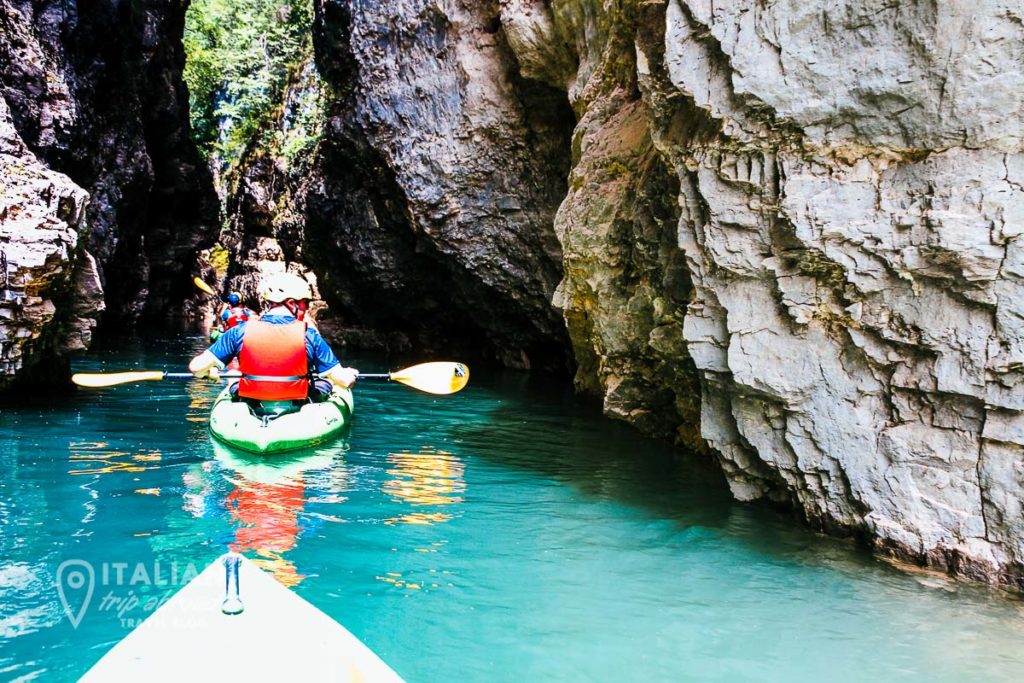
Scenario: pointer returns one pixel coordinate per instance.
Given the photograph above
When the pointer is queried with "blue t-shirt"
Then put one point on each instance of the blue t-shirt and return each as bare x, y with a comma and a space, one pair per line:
319, 354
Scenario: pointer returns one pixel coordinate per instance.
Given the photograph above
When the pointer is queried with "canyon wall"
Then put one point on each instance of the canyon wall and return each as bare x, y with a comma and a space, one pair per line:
427, 205
93, 98
783, 232
849, 187
41, 219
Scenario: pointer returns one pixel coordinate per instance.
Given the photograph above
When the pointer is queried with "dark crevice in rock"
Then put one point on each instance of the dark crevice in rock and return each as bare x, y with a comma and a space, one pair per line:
104, 103
452, 253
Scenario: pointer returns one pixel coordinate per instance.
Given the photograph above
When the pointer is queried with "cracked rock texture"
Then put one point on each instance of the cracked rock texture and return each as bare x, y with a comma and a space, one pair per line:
442, 168
41, 264
266, 202
424, 207
95, 92
838, 272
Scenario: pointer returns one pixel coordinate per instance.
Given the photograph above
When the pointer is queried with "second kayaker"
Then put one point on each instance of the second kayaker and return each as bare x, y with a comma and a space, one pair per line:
233, 312
278, 352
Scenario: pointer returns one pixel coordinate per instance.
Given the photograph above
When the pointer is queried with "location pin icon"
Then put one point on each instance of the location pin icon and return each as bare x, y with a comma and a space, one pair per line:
75, 578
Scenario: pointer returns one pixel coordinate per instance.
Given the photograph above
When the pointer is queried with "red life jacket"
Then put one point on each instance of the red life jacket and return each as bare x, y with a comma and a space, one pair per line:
236, 314
273, 362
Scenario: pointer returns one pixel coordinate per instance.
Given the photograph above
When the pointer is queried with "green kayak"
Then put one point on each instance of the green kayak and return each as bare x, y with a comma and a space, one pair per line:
234, 423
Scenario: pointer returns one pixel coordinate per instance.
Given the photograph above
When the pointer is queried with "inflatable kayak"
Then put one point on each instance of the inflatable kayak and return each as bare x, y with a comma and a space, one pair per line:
269, 634
235, 423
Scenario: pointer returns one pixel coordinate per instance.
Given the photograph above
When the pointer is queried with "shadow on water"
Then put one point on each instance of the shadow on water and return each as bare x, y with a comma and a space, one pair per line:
549, 430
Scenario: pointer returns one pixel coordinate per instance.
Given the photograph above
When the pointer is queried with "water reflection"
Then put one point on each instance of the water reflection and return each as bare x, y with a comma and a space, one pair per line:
97, 457
200, 400
428, 477
266, 501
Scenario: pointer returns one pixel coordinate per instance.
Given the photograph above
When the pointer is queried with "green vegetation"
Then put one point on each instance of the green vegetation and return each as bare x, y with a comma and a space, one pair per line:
304, 117
220, 259
238, 57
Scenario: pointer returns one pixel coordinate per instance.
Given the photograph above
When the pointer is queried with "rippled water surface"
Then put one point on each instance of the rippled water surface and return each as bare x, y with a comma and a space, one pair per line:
502, 534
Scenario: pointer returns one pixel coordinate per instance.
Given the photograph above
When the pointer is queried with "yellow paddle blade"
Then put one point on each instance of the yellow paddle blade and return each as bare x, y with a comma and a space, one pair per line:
83, 379
203, 286
440, 377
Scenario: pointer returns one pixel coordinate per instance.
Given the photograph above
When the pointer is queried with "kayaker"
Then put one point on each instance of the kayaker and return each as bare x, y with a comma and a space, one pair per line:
278, 352
233, 312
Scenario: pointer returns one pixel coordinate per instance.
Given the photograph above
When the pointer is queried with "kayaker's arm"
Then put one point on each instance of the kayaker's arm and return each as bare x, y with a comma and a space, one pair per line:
343, 377
205, 365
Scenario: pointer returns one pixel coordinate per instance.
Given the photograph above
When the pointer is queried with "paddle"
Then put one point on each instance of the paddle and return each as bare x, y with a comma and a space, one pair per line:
203, 286
440, 377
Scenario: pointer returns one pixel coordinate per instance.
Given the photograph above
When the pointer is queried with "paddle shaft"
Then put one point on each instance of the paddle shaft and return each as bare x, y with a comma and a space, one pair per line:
236, 375
436, 377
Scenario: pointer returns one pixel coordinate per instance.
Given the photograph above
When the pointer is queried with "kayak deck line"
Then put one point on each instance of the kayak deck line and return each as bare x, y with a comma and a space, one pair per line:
278, 636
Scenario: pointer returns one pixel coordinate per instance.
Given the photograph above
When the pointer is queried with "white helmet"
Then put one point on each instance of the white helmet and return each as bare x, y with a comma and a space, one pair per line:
280, 287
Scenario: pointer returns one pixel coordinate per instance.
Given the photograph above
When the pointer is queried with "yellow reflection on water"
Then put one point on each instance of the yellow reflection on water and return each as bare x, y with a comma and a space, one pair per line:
283, 570
93, 457
419, 518
428, 477
397, 581
432, 579
200, 401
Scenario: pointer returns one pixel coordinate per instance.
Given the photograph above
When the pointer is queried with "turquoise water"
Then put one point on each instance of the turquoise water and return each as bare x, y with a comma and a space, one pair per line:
502, 534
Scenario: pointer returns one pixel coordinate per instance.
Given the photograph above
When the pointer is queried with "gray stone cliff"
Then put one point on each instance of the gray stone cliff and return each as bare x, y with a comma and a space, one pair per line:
42, 264
850, 184
94, 91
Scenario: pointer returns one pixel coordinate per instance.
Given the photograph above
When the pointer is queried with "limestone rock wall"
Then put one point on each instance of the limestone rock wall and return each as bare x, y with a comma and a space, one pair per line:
850, 200
95, 92
41, 262
442, 169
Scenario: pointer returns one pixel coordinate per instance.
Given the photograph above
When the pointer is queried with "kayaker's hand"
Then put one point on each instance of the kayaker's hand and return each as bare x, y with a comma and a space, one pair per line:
213, 372
345, 377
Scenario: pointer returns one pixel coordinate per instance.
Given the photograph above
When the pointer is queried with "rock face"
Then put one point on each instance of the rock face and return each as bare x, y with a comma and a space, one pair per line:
96, 92
41, 262
844, 261
440, 172
266, 203
788, 233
